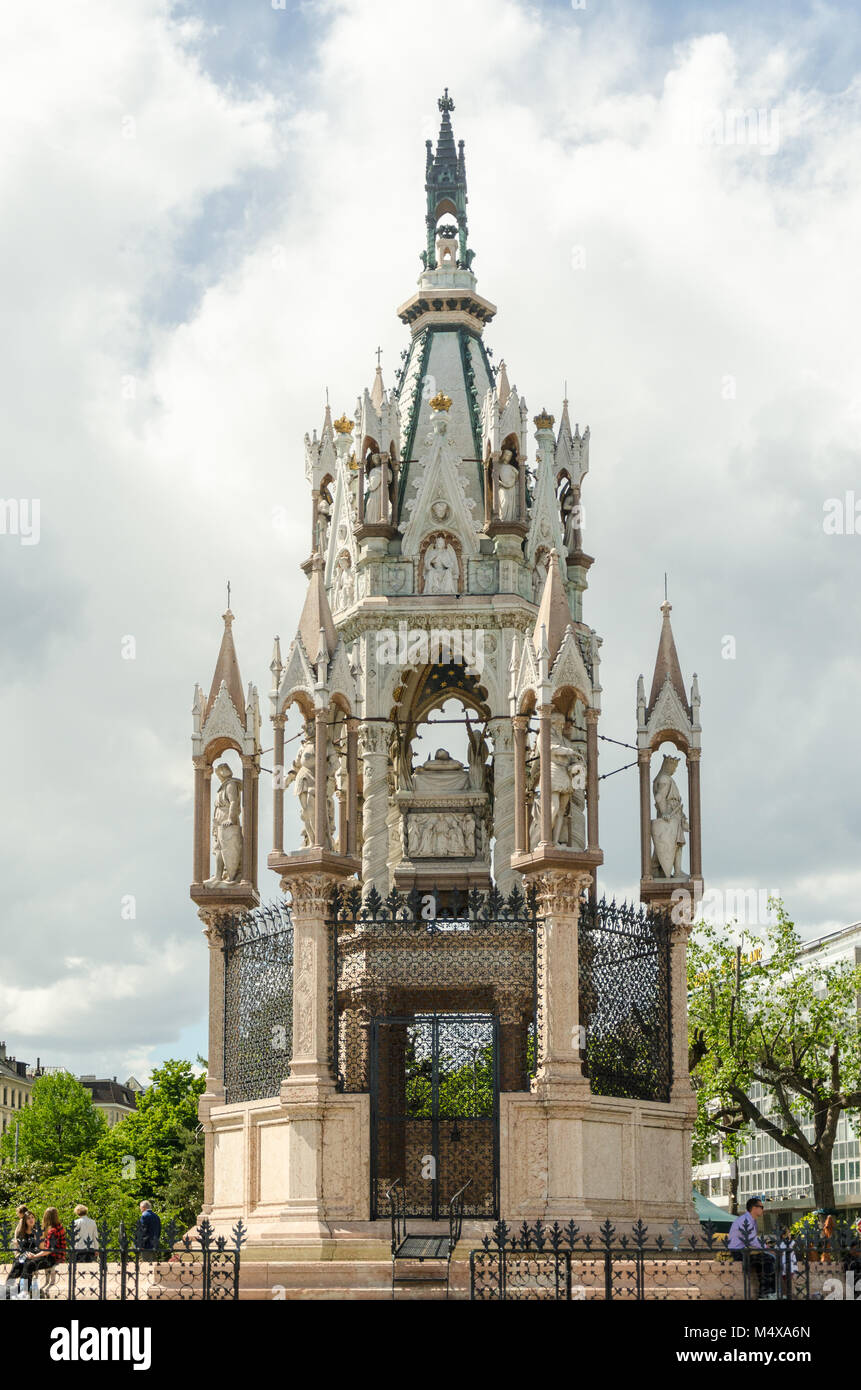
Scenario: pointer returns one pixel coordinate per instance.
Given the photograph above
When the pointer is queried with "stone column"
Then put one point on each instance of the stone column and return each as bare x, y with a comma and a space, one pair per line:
681, 1088
545, 774
321, 772
504, 804
278, 787
310, 1083
592, 779
694, 813
521, 840
375, 842
214, 1094
644, 759
559, 1068
312, 977
249, 829
201, 821
352, 785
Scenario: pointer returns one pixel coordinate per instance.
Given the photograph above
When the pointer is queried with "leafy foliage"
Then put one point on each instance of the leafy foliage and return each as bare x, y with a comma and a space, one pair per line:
155, 1152
771, 1017
59, 1124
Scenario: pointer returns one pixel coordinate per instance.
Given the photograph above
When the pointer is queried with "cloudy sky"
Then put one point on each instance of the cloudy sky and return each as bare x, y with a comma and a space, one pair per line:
212, 209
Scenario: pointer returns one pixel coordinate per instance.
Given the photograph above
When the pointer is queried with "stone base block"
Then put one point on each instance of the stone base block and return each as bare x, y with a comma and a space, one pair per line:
595, 1158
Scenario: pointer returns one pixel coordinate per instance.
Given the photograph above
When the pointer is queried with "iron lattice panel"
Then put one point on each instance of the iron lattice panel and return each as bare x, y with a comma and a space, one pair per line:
258, 1003
435, 1112
625, 1000
454, 953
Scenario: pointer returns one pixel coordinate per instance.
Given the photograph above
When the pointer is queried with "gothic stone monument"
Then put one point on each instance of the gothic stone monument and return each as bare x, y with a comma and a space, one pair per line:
437, 997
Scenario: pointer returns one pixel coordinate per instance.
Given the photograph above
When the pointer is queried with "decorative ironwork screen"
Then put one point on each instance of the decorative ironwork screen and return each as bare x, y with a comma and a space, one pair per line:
435, 1112
433, 953
258, 1002
625, 1000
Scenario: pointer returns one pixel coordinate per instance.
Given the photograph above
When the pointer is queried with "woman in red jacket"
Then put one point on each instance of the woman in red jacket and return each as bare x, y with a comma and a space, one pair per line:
52, 1251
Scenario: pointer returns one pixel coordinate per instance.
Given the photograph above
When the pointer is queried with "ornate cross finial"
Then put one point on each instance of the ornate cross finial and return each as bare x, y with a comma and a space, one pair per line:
228, 595
379, 353
445, 102
666, 596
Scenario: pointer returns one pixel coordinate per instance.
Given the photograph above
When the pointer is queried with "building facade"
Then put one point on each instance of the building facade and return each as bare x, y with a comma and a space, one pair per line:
115, 1100
444, 1002
15, 1085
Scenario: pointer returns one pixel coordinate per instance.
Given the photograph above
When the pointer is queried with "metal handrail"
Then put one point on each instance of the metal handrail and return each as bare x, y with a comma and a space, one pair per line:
397, 1206
455, 1215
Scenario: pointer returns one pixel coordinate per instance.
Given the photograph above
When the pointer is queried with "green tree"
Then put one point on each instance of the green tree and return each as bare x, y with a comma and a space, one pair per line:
787, 1023
58, 1125
146, 1146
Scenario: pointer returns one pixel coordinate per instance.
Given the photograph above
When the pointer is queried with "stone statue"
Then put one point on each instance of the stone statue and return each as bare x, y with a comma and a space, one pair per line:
440, 775
507, 479
567, 789
571, 521
343, 590
379, 479
477, 758
302, 773
668, 828
567, 781
226, 829
324, 517
539, 576
441, 568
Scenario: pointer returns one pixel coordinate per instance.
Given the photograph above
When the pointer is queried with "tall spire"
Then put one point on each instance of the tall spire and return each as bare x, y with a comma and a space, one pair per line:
316, 625
227, 670
667, 664
445, 186
554, 615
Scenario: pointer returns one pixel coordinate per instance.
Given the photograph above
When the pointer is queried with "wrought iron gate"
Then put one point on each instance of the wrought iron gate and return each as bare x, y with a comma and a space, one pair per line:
435, 1112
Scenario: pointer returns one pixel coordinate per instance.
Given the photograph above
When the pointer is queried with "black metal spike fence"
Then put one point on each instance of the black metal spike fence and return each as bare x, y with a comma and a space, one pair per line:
190, 1267
535, 1262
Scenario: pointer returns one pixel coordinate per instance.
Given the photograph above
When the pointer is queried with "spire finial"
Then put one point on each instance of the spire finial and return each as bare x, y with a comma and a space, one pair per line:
379, 354
228, 595
666, 600
445, 102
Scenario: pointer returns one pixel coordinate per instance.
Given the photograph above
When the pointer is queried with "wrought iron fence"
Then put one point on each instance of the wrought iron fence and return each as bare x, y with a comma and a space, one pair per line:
432, 953
201, 1267
557, 1263
258, 1002
624, 955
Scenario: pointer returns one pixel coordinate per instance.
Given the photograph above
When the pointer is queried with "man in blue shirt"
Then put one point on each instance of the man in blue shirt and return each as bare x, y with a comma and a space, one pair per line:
150, 1228
744, 1238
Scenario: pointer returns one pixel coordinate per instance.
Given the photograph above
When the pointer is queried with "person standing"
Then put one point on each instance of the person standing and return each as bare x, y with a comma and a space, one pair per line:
85, 1235
744, 1240
150, 1228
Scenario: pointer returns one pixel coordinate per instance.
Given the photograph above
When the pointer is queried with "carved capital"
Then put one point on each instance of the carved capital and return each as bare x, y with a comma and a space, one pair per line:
560, 891
311, 894
373, 738
215, 920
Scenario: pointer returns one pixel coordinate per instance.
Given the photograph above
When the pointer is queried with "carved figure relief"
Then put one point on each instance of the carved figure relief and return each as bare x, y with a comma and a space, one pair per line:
441, 568
507, 479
